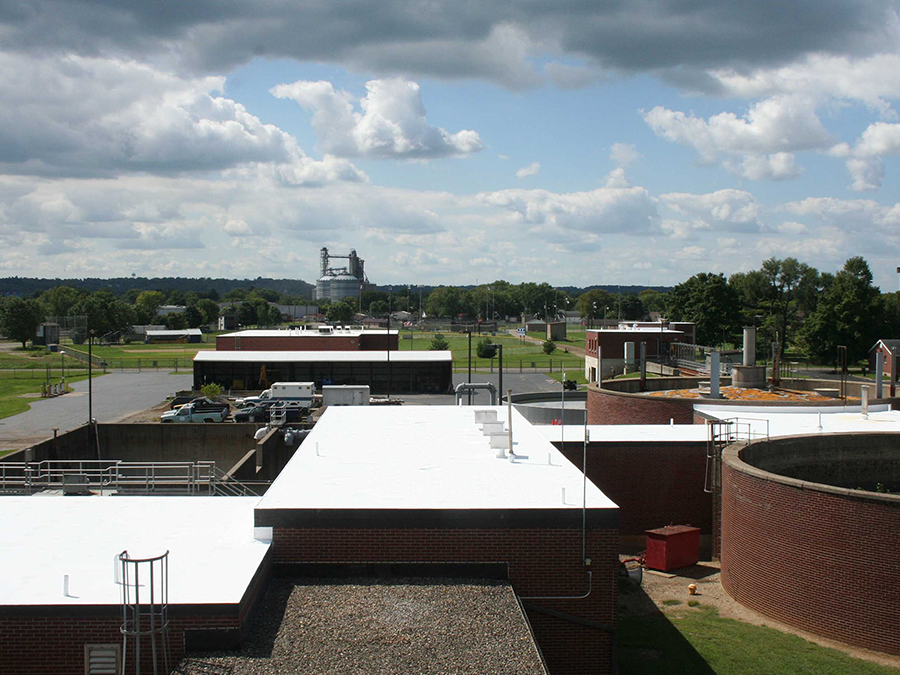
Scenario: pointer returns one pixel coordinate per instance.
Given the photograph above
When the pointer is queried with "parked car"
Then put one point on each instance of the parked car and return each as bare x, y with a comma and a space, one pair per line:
194, 412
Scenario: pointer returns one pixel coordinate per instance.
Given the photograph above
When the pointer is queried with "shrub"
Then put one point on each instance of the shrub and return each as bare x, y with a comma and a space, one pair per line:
211, 390
485, 349
549, 347
439, 343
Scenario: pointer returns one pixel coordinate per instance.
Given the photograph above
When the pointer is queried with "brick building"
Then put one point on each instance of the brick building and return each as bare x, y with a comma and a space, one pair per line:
62, 592
323, 338
433, 493
608, 345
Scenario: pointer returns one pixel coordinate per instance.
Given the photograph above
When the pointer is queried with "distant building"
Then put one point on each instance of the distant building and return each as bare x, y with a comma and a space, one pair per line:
609, 344
308, 339
187, 335
337, 283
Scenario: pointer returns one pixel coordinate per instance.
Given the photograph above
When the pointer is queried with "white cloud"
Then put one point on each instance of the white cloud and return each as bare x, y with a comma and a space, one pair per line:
758, 146
531, 170
872, 80
616, 179
624, 155
604, 210
731, 209
392, 122
104, 117
865, 160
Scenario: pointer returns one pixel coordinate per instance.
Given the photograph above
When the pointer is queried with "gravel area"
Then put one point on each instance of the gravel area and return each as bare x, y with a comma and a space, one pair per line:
427, 627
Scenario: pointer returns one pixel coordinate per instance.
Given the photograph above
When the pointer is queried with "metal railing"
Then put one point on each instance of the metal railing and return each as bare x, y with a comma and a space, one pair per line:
186, 478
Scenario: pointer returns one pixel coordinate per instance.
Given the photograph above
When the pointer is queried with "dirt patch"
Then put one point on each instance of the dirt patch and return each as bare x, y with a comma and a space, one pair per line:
669, 593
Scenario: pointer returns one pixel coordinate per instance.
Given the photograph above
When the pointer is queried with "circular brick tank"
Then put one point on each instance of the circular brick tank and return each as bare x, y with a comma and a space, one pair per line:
622, 401
803, 545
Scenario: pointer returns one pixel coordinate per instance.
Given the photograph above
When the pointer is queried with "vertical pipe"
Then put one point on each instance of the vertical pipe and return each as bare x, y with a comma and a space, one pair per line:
509, 421
714, 374
749, 353
500, 384
469, 333
879, 373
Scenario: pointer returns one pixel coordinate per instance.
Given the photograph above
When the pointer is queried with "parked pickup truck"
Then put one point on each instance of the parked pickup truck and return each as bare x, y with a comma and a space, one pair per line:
296, 393
194, 412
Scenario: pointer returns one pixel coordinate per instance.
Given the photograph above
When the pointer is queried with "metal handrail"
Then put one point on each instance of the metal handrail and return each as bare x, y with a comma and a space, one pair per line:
199, 477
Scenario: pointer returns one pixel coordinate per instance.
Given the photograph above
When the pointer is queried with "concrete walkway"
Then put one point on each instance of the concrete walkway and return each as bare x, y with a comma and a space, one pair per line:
116, 395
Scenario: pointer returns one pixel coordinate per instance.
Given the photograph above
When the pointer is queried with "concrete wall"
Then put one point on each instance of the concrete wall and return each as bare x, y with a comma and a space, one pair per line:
818, 558
223, 443
547, 415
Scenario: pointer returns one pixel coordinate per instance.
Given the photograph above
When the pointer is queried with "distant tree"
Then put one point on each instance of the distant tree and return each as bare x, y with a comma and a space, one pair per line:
267, 315
147, 304
448, 301
59, 300
209, 309
175, 321
20, 319
549, 346
592, 305
120, 316
631, 307
439, 343
708, 301
653, 301
193, 317
266, 294
236, 294
848, 313
537, 298
176, 297
378, 307
340, 312
247, 314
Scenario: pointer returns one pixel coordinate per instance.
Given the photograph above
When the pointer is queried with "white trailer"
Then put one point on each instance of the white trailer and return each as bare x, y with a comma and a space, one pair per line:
292, 392
345, 394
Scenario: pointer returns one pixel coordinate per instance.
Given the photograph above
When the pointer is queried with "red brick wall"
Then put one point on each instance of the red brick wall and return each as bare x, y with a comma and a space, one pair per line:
541, 562
612, 407
822, 562
654, 484
307, 343
55, 644
37, 641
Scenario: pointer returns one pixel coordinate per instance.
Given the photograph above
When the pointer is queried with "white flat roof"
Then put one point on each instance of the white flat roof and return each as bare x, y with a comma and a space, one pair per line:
185, 331
312, 332
626, 433
639, 329
377, 356
425, 457
212, 551
799, 421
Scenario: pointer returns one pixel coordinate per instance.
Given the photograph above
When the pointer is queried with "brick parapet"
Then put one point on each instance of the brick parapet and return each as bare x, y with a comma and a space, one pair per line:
541, 562
605, 406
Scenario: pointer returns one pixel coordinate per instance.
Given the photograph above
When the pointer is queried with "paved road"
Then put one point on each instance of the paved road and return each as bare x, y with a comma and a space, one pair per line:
116, 395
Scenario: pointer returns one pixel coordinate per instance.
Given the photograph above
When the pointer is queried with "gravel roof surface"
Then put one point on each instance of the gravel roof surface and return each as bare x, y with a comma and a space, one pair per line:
428, 627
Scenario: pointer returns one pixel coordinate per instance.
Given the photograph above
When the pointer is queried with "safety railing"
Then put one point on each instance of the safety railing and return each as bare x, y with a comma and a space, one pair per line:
186, 478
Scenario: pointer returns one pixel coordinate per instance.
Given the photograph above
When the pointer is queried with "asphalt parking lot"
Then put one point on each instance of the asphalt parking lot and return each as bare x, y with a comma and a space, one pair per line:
120, 395
115, 396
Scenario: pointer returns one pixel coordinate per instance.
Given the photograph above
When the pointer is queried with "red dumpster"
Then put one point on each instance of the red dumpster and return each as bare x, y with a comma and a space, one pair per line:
672, 547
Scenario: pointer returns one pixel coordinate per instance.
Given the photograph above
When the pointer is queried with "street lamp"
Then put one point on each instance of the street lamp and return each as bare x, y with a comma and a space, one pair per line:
63, 367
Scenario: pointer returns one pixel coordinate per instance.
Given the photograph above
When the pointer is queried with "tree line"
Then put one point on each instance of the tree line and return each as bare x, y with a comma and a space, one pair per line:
793, 306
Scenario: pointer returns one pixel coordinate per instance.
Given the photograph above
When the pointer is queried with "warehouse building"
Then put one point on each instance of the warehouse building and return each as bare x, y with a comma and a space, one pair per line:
322, 338
386, 372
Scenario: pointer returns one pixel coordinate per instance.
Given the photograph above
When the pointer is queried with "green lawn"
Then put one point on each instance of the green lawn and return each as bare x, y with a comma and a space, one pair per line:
517, 353
698, 641
14, 384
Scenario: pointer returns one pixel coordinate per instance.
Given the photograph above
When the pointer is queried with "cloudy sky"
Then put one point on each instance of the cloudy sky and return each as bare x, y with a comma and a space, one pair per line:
571, 141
